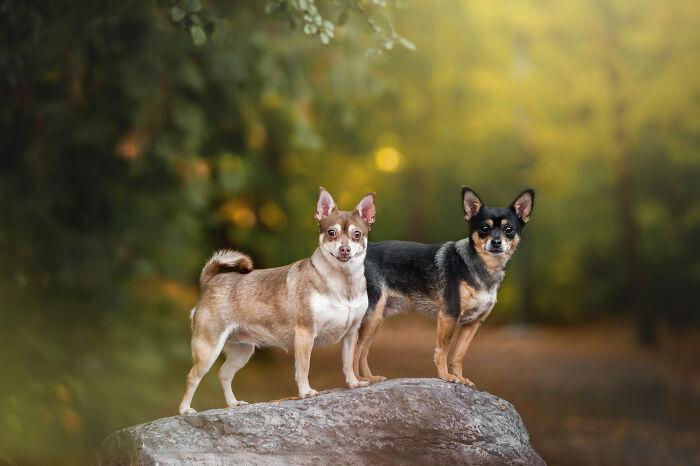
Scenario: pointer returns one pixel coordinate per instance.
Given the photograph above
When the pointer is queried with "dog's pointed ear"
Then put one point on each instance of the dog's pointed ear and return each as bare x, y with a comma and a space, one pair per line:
471, 203
325, 205
522, 206
366, 209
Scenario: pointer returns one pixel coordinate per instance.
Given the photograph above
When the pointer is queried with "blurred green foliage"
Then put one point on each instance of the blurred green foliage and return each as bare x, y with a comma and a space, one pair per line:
137, 137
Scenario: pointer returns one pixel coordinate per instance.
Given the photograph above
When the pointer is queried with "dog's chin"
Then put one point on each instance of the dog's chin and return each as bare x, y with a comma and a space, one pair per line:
496, 252
346, 259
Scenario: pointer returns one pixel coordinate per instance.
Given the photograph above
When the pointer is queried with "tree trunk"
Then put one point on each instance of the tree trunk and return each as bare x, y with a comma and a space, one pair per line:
635, 274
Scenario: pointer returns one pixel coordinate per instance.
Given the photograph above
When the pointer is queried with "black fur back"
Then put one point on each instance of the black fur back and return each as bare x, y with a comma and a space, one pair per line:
425, 269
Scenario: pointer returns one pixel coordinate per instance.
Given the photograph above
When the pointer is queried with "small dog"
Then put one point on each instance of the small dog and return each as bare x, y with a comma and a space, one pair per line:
454, 282
314, 302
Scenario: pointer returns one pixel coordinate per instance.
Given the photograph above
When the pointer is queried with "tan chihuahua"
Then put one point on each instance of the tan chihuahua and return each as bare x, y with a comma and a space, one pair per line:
315, 302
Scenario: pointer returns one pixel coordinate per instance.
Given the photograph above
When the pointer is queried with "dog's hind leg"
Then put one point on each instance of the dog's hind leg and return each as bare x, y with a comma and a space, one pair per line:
237, 355
367, 332
204, 353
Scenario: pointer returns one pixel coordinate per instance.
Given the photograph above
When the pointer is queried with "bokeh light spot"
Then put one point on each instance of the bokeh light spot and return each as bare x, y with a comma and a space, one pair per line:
238, 212
244, 217
272, 216
388, 159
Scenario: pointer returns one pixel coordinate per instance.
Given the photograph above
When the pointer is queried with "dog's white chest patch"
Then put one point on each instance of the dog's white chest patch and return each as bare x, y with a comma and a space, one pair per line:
334, 315
478, 303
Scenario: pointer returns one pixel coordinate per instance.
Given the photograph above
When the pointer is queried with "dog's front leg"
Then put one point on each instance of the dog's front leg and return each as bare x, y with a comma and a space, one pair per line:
303, 343
464, 339
445, 329
348, 347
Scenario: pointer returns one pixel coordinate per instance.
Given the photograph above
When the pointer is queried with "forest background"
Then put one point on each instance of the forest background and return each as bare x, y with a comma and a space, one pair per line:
137, 137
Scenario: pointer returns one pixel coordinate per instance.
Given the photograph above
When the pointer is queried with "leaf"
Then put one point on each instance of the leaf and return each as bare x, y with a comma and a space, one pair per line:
176, 14
195, 19
198, 36
191, 6
407, 44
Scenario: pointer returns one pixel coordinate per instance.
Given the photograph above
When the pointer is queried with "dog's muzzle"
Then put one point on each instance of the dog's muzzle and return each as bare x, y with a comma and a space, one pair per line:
345, 258
496, 248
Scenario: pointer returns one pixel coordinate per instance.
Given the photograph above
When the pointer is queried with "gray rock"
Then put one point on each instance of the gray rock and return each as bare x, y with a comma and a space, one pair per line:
400, 421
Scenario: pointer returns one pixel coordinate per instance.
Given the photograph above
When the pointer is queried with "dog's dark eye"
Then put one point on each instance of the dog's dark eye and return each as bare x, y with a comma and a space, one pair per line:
357, 235
508, 229
484, 229
331, 233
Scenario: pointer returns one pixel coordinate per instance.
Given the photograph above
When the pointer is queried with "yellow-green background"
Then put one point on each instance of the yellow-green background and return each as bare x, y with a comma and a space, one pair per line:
128, 155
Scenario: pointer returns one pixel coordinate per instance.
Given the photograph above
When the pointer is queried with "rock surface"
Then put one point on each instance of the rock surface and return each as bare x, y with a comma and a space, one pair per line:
400, 421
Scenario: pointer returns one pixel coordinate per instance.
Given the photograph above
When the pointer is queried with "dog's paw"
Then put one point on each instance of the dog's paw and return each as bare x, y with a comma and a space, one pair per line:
359, 384
187, 410
237, 403
465, 381
450, 378
308, 393
377, 378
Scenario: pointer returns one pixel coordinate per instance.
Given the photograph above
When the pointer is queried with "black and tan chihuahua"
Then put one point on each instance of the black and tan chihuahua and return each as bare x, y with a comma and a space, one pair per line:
455, 283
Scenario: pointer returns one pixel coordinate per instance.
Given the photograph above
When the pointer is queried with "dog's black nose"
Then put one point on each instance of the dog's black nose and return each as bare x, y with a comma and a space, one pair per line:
345, 250
496, 243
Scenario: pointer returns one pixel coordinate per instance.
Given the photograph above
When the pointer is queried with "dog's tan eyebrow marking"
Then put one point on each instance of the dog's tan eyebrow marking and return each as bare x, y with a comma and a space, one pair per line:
490, 222
504, 221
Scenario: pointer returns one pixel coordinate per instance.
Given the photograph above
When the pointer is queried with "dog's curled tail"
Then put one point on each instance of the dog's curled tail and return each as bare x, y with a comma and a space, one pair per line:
222, 260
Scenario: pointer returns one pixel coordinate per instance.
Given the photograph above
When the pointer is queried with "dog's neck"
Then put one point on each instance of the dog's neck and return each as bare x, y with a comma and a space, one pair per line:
493, 266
